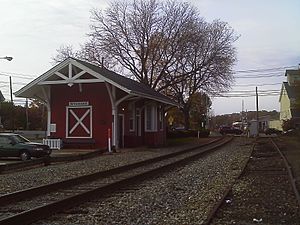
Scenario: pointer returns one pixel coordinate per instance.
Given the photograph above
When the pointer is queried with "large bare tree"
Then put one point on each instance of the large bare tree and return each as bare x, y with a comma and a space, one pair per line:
166, 45
145, 37
206, 63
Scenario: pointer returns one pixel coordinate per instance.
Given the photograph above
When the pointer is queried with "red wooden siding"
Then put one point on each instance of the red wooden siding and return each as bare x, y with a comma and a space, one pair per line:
97, 97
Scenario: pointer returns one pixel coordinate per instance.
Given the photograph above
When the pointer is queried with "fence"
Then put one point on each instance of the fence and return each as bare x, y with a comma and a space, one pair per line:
53, 143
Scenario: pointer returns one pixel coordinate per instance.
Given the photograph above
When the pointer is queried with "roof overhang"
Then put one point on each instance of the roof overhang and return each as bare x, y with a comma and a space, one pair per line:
281, 92
70, 72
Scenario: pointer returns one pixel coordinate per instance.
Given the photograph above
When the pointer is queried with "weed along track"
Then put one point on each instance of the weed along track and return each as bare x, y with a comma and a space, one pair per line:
36, 203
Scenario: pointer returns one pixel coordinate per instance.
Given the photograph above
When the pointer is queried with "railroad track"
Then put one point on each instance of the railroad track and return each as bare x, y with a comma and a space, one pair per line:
277, 165
44, 161
56, 197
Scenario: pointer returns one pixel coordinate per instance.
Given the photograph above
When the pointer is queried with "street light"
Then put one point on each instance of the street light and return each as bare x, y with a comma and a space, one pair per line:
9, 58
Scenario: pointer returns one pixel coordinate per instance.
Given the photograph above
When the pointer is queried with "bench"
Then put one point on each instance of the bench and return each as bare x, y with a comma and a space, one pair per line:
78, 143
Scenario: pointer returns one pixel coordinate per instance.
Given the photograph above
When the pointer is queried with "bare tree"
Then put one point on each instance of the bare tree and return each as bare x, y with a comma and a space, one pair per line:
64, 52
89, 51
145, 37
206, 64
165, 45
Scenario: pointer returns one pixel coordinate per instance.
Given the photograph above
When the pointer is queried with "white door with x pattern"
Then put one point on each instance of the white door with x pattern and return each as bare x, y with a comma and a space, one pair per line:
79, 122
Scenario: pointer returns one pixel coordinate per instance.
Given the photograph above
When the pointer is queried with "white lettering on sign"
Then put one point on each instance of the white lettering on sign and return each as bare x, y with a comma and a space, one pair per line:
78, 103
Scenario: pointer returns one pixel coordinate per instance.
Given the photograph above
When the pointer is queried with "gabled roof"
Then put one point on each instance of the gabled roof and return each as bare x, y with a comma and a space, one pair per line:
290, 90
102, 75
1, 97
132, 85
292, 72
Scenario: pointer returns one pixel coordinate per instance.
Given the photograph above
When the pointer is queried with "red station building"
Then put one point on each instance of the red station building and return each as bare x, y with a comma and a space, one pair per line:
87, 105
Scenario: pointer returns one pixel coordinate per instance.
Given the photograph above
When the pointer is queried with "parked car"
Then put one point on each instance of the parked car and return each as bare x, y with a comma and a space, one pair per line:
230, 130
15, 145
272, 131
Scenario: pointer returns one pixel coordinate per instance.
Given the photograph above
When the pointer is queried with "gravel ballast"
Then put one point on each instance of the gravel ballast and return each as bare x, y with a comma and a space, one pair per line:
183, 196
263, 194
57, 172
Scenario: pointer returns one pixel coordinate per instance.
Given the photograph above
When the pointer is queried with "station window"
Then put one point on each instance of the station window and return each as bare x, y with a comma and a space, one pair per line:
131, 116
151, 118
160, 118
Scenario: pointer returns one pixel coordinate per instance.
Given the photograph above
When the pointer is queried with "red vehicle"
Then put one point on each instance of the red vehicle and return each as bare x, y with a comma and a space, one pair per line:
230, 130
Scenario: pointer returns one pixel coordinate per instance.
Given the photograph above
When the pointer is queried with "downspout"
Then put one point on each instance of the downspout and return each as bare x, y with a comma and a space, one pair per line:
48, 119
115, 127
115, 116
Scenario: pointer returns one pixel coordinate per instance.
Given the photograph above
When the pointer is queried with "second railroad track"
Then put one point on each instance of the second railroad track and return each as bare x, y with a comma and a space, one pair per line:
56, 197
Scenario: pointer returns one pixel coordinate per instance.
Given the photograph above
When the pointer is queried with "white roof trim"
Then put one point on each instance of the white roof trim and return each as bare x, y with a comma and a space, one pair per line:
98, 75
282, 88
44, 76
42, 80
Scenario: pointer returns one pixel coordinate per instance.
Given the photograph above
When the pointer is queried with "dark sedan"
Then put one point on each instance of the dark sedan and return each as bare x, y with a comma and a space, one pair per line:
230, 130
14, 145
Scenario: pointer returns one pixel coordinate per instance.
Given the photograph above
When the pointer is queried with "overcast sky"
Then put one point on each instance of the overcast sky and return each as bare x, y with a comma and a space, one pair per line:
32, 30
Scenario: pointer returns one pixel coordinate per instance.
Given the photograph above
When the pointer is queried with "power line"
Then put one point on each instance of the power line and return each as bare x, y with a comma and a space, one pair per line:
266, 90
6, 82
18, 76
246, 96
249, 93
247, 85
264, 69
277, 72
258, 76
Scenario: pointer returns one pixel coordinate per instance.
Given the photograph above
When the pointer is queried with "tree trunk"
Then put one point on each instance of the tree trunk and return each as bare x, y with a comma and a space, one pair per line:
186, 114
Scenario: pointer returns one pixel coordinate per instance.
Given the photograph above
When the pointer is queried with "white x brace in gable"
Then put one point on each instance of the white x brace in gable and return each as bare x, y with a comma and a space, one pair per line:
72, 77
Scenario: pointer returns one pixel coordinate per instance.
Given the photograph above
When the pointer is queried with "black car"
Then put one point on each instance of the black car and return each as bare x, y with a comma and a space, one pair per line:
15, 145
230, 130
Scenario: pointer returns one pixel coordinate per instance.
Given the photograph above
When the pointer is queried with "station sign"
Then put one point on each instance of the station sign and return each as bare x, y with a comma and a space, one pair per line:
76, 104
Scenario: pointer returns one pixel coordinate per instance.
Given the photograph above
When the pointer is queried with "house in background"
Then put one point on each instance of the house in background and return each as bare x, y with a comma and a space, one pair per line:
89, 105
1, 97
288, 96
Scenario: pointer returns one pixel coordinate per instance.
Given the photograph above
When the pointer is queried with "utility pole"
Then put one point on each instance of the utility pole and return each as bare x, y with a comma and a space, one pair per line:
12, 107
8, 58
207, 111
257, 122
27, 124
242, 119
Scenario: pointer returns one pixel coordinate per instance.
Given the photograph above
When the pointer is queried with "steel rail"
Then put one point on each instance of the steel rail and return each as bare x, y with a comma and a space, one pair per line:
229, 188
46, 161
290, 172
32, 215
226, 192
42, 189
